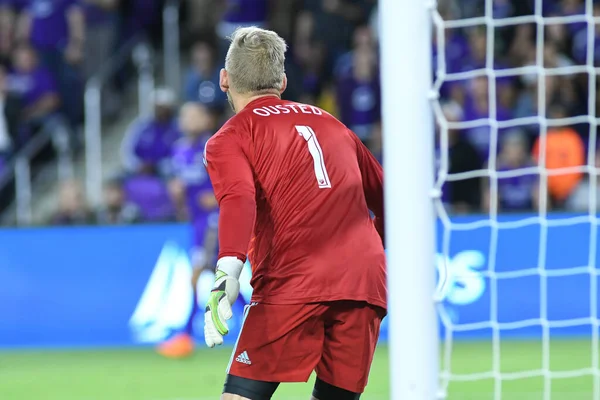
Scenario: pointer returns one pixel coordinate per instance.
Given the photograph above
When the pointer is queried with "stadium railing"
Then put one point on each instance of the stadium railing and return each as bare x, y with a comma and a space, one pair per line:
138, 50
18, 171
171, 45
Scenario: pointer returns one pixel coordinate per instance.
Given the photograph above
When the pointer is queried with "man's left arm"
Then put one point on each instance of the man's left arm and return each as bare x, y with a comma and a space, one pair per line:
233, 182
372, 178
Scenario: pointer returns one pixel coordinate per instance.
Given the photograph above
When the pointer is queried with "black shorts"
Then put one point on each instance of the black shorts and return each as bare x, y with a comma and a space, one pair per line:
260, 390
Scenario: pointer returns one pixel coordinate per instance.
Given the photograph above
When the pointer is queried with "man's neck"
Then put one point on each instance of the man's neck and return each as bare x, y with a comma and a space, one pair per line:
242, 102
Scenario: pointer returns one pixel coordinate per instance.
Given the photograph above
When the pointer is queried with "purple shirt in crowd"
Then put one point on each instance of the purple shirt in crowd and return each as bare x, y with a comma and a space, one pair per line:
15, 4
245, 11
359, 104
515, 193
188, 166
502, 9
580, 45
31, 86
151, 141
95, 15
145, 12
553, 8
456, 51
150, 194
480, 137
49, 26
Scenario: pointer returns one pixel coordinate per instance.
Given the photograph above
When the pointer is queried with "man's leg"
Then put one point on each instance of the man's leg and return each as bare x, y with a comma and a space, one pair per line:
181, 344
325, 391
203, 256
277, 343
351, 334
237, 388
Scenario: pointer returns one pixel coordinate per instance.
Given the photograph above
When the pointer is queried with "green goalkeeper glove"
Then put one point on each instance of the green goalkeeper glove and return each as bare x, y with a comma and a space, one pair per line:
224, 293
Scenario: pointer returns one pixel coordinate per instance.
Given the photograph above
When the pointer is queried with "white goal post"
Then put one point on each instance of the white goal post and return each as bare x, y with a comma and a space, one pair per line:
405, 37
539, 272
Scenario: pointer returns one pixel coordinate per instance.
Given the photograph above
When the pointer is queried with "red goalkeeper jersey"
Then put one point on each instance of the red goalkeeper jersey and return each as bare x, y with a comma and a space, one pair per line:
295, 187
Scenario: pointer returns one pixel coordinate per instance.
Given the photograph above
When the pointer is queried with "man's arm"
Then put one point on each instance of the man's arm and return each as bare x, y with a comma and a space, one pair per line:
204, 257
45, 105
76, 22
233, 182
48, 101
372, 178
177, 193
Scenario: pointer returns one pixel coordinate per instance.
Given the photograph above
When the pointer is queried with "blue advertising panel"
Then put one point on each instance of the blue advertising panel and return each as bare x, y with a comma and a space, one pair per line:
113, 286
518, 274
76, 286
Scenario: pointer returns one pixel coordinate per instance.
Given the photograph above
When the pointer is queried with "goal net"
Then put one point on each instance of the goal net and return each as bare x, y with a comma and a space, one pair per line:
515, 105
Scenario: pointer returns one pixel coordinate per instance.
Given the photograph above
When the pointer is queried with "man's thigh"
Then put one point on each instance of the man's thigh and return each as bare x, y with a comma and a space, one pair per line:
351, 334
237, 388
279, 343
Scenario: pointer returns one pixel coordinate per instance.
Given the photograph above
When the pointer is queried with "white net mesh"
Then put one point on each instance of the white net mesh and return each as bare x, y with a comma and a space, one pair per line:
520, 313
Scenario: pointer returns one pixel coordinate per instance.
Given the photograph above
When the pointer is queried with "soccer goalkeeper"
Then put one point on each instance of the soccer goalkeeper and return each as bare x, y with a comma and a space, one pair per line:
294, 187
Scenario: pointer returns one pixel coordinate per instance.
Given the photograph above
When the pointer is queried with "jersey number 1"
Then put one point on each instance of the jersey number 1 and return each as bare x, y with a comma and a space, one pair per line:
317, 154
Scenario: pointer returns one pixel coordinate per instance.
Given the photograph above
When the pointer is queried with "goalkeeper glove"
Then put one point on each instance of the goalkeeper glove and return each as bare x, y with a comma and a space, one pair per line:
224, 293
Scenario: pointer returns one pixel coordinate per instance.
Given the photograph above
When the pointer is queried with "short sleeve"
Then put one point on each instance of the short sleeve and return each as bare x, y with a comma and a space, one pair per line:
228, 166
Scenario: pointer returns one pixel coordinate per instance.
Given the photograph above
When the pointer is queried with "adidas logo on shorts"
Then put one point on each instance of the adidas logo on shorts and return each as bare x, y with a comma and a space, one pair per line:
243, 358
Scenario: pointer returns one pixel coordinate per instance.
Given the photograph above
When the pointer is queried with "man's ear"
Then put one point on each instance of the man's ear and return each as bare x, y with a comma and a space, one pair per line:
224, 80
283, 84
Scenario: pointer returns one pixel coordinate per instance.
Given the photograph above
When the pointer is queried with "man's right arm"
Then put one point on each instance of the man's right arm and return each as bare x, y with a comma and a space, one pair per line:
372, 179
233, 183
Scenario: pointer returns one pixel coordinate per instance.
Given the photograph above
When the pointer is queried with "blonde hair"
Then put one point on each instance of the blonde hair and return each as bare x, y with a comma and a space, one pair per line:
255, 60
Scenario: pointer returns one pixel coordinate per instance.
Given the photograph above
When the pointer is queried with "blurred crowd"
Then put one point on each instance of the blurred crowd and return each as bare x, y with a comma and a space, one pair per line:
521, 102
332, 62
48, 49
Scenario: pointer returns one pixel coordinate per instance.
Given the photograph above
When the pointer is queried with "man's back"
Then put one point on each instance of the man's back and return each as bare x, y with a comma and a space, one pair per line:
313, 237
